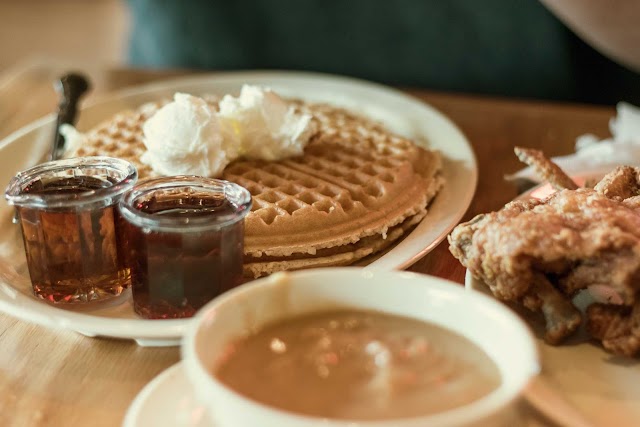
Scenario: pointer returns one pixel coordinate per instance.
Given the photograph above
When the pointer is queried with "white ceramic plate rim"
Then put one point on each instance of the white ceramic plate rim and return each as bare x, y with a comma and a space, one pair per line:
446, 211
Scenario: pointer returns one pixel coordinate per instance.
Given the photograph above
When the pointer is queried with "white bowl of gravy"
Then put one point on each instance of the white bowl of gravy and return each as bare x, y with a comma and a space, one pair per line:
351, 347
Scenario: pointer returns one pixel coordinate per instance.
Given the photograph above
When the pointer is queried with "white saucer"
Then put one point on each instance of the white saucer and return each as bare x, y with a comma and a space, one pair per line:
168, 400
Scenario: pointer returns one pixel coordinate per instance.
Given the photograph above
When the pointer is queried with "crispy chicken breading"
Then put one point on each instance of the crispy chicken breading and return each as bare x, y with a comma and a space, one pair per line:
547, 170
540, 253
621, 183
617, 326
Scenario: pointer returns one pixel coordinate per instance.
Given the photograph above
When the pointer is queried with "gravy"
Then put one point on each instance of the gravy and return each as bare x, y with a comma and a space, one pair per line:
360, 365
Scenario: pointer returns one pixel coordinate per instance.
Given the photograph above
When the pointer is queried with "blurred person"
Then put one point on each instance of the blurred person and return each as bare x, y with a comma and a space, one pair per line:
515, 48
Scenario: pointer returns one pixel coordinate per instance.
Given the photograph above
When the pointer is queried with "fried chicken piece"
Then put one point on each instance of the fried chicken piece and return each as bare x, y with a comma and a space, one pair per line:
632, 202
617, 326
621, 183
545, 168
539, 253
619, 269
560, 316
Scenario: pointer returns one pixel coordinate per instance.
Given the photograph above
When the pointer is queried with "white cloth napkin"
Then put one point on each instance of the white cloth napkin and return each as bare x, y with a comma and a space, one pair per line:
592, 154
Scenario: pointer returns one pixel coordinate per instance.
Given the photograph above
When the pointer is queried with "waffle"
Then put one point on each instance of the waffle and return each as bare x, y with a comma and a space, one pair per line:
357, 189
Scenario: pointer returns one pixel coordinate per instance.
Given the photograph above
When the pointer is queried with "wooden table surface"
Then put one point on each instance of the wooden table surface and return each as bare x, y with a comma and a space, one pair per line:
57, 378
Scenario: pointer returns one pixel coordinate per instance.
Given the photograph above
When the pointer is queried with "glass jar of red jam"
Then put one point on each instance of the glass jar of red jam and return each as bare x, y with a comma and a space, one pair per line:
68, 213
184, 242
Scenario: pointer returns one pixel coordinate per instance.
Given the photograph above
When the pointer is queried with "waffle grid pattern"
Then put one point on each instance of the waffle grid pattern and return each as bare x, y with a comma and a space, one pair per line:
354, 173
355, 180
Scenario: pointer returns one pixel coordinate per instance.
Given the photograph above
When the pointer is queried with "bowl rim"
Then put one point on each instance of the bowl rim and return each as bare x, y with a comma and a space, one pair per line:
477, 410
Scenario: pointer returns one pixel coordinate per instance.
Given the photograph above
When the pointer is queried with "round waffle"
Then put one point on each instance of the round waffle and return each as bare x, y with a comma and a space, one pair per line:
356, 189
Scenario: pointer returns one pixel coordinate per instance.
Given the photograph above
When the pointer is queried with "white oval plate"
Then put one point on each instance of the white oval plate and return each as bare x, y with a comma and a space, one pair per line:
603, 388
398, 111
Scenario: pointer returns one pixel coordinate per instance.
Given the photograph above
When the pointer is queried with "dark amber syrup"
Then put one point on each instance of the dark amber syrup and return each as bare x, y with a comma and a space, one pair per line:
174, 273
72, 253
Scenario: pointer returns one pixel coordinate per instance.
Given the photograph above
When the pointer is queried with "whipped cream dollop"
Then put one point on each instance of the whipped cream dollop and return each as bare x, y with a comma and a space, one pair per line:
266, 127
187, 136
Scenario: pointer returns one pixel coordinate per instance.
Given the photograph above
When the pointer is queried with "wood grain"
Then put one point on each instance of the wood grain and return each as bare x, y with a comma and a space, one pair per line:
57, 378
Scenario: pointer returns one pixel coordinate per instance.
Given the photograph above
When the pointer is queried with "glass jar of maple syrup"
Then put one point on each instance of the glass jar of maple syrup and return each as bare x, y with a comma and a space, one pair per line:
67, 210
184, 240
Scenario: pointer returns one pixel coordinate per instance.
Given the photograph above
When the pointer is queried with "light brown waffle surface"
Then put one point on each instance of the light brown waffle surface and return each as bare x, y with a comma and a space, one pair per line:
357, 188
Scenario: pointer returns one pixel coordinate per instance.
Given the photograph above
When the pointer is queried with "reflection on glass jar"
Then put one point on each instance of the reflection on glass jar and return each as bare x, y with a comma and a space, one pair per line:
184, 242
67, 210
